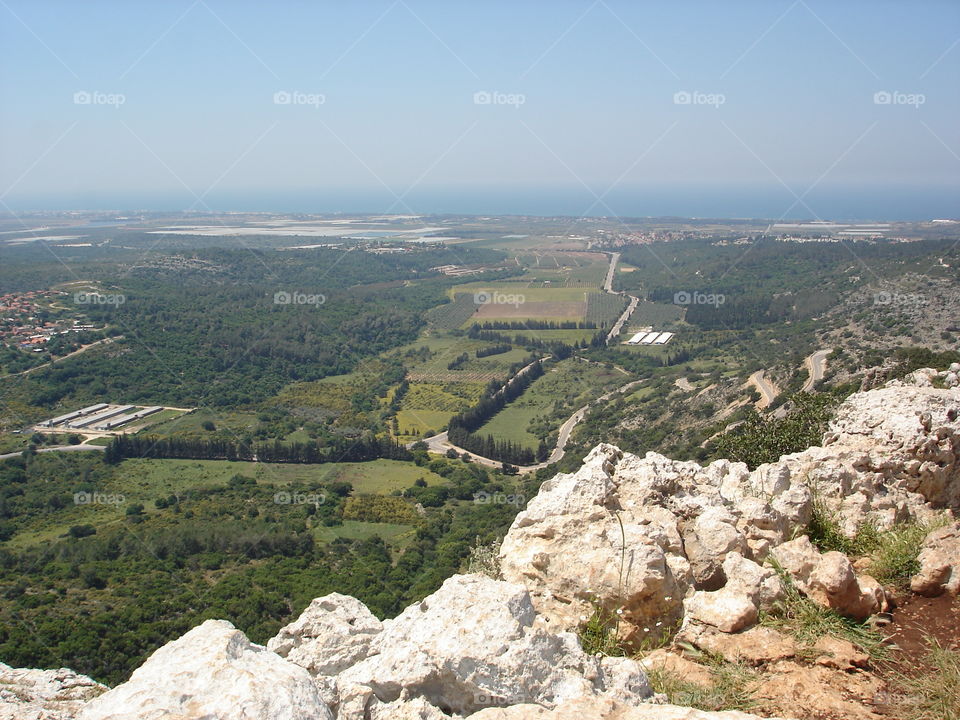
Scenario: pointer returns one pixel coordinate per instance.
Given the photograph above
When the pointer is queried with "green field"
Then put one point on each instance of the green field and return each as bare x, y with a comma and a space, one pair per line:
530, 288
355, 530
414, 424
551, 399
225, 422
143, 480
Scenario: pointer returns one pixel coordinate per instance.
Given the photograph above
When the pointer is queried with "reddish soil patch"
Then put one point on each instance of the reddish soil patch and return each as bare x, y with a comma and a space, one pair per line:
919, 620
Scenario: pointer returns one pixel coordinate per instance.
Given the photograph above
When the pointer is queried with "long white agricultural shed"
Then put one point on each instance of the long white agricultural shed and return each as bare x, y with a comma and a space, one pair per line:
124, 419
102, 416
75, 414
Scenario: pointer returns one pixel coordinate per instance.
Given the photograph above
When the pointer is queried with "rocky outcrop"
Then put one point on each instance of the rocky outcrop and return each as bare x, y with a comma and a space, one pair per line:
44, 694
332, 634
213, 671
664, 541
830, 580
474, 644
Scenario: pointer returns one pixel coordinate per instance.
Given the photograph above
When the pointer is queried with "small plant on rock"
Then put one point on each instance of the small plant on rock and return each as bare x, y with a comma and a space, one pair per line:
484, 558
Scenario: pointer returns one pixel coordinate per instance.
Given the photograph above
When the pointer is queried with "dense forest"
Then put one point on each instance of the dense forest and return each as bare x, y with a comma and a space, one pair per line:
215, 335
225, 551
766, 281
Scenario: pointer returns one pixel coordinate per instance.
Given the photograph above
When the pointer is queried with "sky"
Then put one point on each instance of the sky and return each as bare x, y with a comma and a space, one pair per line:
766, 108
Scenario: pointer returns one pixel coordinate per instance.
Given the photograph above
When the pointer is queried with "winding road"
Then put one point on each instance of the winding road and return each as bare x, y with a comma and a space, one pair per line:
440, 445
768, 391
816, 365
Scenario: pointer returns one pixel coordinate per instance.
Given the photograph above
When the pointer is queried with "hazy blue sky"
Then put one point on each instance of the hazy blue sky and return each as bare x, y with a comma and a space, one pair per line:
782, 97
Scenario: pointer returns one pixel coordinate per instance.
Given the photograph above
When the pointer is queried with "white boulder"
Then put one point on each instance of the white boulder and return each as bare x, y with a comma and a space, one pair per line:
215, 673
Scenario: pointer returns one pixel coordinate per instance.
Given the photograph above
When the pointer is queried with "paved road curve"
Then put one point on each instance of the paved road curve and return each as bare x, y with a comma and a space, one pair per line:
767, 389
440, 445
816, 365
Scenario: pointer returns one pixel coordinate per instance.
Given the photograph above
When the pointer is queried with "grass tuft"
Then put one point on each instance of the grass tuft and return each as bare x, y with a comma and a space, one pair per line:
934, 694
732, 688
808, 621
892, 553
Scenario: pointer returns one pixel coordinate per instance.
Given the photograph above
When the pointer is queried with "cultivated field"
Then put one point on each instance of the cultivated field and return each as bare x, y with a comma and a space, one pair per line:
565, 387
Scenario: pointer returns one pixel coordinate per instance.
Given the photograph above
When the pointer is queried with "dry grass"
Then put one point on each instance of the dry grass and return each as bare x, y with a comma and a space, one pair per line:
933, 694
732, 688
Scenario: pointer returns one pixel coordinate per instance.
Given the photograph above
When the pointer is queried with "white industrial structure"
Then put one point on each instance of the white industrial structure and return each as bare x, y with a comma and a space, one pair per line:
123, 420
654, 337
74, 415
100, 417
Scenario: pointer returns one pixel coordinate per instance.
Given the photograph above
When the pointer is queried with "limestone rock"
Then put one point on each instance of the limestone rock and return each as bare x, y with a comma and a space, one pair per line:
415, 709
840, 654
473, 644
707, 541
27, 694
830, 580
746, 577
213, 672
756, 646
726, 609
939, 562
331, 634
568, 548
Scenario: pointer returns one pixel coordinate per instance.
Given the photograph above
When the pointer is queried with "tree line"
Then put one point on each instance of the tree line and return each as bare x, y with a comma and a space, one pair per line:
340, 449
461, 428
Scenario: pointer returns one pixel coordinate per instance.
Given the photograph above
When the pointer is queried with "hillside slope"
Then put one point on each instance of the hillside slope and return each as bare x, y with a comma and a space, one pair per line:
623, 556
